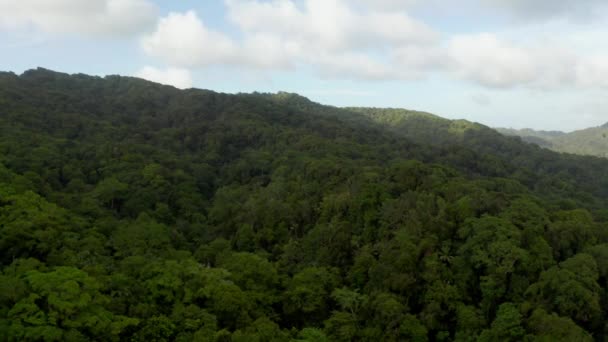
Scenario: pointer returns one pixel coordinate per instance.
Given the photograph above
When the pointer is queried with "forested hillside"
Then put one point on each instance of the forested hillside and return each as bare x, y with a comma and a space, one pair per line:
591, 141
138, 212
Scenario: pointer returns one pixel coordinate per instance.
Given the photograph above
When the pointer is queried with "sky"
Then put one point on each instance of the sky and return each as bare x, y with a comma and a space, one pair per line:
541, 64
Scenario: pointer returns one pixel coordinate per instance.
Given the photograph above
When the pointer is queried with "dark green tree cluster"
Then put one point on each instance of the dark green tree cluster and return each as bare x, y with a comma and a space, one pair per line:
137, 212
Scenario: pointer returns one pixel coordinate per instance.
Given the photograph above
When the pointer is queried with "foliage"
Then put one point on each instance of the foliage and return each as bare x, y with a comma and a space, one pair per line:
137, 212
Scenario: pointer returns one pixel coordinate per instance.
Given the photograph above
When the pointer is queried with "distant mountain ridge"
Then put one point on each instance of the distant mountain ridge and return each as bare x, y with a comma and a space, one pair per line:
590, 141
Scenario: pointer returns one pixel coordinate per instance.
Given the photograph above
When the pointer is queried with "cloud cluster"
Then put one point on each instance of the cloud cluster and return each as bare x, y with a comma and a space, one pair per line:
183, 39
493, 62
90, 17
369, 40
343, 39
330, 35
329, 24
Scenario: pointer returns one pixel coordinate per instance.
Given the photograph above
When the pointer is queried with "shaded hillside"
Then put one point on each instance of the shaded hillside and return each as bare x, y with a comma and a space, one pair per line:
591, 141
131, 211
492, 153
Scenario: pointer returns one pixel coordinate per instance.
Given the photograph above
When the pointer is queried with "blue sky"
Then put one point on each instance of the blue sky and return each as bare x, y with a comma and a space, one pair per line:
510, 63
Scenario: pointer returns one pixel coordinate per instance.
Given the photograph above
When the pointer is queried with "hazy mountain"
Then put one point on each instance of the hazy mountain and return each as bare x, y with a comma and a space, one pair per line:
591, 141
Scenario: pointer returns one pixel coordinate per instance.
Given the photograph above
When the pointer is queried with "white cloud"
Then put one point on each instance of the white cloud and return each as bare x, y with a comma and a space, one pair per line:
90, 17
388, 4
183, 39
485, 59
329, 24
491, 61
353, 66
397, 28
179, 78
267, 51
420, 59
370, 40
329, 35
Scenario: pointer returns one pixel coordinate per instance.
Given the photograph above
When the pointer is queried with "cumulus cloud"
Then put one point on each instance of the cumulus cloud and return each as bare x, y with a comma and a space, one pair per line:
179, 78
96, 17
329, 35
352, 66
420, 59
489, 61
183, 39
328, 24
372, 40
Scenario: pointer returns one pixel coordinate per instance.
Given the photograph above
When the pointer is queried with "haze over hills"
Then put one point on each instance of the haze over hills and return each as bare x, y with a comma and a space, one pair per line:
132, 211
591, 141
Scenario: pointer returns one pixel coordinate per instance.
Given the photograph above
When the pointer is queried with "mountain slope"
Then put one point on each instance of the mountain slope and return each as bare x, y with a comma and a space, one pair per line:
138, 212
492, 153
591, 141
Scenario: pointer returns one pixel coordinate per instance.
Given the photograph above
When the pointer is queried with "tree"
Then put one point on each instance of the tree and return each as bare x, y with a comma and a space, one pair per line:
306, 298
31, 226
412, 330
548, 327
63, 304
254, 275
570, 289
261, 330
492, 248
140, 237
345, 324
570, 233
111, 192
506, 327
135, 211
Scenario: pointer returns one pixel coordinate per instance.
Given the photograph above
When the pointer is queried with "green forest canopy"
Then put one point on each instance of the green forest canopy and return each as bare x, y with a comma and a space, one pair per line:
138, 212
